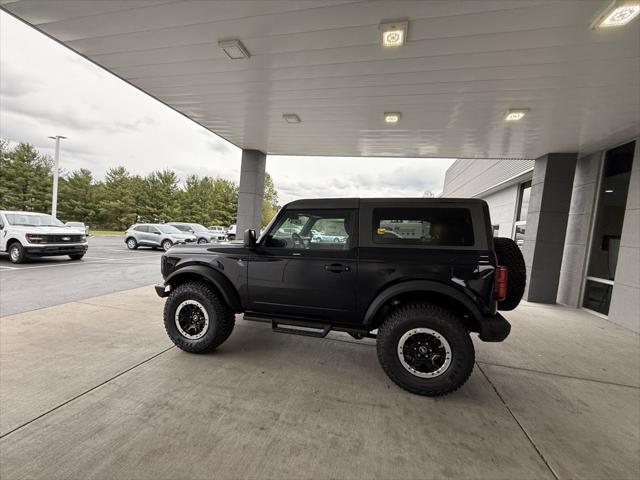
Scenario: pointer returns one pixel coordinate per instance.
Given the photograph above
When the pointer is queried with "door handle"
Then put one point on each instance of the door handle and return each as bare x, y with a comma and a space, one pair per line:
337, 268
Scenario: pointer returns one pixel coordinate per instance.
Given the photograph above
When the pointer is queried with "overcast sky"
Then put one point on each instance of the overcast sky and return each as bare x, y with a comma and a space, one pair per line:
46, 89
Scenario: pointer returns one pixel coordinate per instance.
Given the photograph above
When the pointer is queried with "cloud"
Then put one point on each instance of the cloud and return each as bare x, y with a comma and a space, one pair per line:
308, 177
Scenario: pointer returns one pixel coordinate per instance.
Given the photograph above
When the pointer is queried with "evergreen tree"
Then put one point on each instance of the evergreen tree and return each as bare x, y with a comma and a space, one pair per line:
77, 197
270, 200
121, 199
25, 179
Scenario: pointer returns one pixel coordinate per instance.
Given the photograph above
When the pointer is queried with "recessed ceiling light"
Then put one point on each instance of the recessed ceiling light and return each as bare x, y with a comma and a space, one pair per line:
608, 191
393, 34
234, 49
515, 114
617, 14
291, 118
391, 117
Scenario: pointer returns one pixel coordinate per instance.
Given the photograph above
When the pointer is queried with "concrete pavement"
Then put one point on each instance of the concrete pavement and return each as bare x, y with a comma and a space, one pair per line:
94, 389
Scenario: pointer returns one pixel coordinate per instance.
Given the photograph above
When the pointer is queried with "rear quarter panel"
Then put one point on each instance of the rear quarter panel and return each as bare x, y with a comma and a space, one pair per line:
467, 269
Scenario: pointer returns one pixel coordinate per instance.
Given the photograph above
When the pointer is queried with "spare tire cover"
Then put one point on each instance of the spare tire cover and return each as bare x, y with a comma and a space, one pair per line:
510, 256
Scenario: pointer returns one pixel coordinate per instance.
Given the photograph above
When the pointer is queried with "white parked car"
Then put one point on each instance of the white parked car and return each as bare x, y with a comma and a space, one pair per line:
231, 232
219, 232
31, 234
78, 225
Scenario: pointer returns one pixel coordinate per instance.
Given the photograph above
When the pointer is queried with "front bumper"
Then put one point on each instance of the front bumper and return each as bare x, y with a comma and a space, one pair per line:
50, 250
494, 328
162, 290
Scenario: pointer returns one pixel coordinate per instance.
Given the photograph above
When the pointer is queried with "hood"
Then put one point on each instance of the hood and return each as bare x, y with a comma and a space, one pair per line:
48, 230
231, 248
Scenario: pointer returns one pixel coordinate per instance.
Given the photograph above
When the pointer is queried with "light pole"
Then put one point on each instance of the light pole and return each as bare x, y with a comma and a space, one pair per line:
54, 196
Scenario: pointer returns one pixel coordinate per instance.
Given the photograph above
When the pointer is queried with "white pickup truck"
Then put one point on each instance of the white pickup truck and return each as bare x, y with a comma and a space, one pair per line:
31, 234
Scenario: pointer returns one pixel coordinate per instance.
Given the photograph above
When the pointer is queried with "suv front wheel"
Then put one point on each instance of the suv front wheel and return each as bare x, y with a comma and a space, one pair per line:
425, 349
16, 253
196, 317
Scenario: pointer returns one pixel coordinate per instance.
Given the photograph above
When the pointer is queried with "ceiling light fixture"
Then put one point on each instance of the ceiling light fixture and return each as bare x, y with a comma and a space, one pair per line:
515, 114
291, 118
617, 14
608, 191
392, 117
393, 34
234, 49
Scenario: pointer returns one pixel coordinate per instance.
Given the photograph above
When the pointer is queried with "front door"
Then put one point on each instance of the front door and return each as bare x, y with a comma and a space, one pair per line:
307, 266
153, 237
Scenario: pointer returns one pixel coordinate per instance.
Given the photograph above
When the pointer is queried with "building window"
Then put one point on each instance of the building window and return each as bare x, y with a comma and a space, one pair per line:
605, 240
423, 226
523, 201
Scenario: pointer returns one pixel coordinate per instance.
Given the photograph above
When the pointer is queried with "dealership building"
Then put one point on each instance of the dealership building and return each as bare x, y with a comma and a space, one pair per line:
548, 90
579, 231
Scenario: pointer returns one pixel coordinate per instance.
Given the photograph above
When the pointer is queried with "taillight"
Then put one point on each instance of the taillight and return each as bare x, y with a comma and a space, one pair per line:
502, 274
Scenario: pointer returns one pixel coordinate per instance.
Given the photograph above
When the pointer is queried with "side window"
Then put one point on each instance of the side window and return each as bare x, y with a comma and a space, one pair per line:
153, 230
313, 229
141, 228
423, 226
183, 228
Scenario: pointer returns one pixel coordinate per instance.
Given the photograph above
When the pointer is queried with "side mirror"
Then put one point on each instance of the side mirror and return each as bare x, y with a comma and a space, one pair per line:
250, 238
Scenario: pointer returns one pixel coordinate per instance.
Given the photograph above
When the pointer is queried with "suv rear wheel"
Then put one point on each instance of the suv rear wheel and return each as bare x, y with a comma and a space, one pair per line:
166, 245
196, 317
131, 243
425, 349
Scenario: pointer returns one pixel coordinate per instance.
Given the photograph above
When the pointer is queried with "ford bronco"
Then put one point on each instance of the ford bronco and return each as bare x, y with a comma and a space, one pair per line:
418, 275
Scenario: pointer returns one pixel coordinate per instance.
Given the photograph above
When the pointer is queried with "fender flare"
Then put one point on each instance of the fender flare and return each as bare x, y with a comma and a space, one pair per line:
225, 287
418, 286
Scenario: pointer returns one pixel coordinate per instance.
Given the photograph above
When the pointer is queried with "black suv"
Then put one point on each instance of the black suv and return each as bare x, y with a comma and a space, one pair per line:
416, 274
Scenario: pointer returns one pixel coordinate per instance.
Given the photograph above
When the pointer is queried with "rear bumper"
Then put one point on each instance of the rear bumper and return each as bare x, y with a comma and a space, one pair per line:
494, 328
50, 250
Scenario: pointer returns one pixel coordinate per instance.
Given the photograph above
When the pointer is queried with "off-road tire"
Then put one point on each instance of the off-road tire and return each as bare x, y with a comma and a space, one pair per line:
510, 256
76, 256
444, 322
221, 318
131, 245
20, 256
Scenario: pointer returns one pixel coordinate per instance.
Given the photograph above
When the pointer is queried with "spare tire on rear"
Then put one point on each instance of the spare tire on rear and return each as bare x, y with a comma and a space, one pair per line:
510, 256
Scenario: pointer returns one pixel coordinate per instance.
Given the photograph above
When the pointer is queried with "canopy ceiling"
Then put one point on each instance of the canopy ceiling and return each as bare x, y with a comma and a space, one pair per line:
464, 65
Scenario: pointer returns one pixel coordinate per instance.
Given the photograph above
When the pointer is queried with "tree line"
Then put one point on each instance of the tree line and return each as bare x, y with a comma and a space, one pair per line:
122, 198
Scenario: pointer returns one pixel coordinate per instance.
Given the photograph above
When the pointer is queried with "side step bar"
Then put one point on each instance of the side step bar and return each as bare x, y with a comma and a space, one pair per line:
301, 328
295, 326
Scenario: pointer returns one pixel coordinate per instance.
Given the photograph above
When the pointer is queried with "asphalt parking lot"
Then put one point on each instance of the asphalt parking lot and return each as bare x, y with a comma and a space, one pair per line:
107, 267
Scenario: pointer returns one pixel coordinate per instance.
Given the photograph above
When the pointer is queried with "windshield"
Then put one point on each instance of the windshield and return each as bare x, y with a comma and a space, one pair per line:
167, 229
33, 220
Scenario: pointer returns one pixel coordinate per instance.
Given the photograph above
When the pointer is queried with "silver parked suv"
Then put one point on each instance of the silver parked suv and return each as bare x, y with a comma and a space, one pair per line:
155, 235
202, 234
